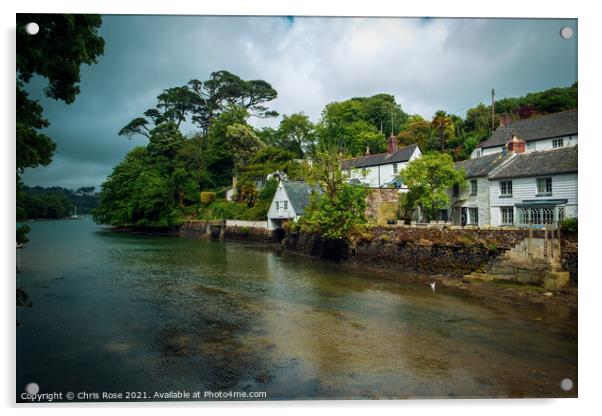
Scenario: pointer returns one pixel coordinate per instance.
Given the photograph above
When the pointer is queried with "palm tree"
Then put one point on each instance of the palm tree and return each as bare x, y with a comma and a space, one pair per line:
440, 122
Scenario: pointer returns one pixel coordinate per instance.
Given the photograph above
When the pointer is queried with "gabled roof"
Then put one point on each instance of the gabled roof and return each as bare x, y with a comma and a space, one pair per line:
536, 128
401, 155
483, 165
298, 194
547, 162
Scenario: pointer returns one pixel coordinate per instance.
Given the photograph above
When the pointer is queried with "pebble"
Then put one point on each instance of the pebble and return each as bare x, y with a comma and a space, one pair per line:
548, 294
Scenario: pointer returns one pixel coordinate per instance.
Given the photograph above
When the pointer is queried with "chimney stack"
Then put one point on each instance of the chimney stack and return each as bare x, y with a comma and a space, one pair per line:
505, 119
392, 145
516, 145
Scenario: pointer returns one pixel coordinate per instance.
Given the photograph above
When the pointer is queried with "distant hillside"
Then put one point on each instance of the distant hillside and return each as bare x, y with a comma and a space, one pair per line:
56, 202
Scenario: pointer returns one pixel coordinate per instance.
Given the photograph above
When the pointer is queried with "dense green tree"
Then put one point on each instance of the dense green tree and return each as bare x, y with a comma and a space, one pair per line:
334, 217
204, 101
296, 134
443, 127
151, 186
268, 160
429, 179
360, 125
339, 207
415, 130
56, 53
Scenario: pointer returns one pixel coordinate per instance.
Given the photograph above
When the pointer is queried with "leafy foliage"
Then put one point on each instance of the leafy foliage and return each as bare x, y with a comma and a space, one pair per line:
333, 217
56, 53
570, 225
429, 179
148, 188
341, 207
360, 124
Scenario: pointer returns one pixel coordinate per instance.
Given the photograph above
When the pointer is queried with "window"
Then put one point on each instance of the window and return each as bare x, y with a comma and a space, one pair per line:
473, 187
395, 170
507, 215
456, 189
557, 143
284, 204
544, 186
277, 205
473, 216
478, 153
506, 189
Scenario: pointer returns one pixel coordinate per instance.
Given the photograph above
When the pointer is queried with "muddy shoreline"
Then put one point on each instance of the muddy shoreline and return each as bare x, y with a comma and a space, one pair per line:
515, 293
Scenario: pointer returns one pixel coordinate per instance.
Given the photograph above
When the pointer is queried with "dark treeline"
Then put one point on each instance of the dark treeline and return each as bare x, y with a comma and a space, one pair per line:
158, 184
56, 202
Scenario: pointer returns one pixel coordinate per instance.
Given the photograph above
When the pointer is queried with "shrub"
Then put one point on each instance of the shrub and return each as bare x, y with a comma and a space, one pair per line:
247, 193
268, 191
569, 225
334, 217
207, 197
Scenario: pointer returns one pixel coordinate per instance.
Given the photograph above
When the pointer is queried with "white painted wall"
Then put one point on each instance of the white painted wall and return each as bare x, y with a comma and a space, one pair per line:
563, 187
547, 144
479, 201
275, 216
244, 223
532, 146
377, 176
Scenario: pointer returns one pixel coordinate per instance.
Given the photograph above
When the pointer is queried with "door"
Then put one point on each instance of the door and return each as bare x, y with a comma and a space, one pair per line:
464, 216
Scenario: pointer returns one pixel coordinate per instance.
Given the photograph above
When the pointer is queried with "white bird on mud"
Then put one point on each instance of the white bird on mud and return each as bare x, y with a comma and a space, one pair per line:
433, 286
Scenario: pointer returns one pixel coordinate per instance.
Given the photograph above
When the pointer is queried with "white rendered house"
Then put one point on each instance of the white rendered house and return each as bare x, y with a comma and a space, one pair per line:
380, 170
547, 132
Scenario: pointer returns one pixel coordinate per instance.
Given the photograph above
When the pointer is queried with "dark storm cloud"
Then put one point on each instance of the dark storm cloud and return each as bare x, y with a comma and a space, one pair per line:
428, 64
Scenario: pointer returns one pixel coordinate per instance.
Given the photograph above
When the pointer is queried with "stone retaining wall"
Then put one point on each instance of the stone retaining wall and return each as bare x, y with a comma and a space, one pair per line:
448, 250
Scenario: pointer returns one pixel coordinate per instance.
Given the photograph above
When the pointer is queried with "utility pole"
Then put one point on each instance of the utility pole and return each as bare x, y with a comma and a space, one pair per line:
492, 110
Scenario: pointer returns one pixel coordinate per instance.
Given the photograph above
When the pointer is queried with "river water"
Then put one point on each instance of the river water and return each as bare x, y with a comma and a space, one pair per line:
115, 312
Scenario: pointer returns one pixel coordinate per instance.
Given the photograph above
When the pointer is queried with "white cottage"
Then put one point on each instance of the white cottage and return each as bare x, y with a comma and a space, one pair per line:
536, 188
470, 204
289, 202
380, 170
547, 132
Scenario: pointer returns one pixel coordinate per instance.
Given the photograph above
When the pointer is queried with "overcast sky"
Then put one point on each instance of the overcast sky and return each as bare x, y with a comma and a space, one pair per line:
427, 64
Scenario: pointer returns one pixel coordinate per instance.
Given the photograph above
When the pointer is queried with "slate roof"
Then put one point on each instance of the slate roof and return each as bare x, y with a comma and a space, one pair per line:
537, 128
547, 162
298, 194
482, 166
401, 155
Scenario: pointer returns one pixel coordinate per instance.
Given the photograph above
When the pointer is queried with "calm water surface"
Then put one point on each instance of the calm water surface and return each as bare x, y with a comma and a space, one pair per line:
117, 312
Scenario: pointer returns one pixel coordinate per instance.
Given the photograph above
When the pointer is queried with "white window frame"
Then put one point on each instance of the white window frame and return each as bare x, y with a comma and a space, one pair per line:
508, 187
504, 213
474, 187
547, 190
395, 168
557, 143
471, 217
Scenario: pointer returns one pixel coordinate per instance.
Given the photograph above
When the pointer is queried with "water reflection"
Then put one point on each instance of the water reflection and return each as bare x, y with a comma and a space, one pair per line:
159, 313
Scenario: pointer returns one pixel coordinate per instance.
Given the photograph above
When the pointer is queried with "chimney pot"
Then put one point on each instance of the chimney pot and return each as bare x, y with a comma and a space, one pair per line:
392, 145
516, 145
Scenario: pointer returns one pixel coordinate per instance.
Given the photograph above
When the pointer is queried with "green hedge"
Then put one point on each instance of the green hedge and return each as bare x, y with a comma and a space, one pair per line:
569, 226
207, 198
226, 210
